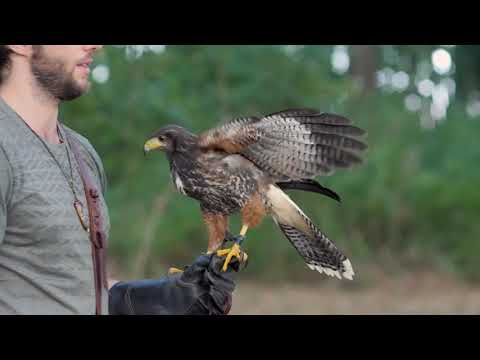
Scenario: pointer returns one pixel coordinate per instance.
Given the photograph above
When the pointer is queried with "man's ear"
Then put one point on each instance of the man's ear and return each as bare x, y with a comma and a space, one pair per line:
22, 50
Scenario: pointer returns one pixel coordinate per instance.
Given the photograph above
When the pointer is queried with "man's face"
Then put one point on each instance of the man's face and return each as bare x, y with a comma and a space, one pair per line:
63, 70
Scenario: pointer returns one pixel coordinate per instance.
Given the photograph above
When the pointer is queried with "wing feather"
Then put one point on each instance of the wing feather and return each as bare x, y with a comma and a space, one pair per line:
291, 144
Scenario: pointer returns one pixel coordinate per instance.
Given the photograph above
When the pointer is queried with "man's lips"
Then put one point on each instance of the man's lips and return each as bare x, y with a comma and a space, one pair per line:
85, 65
86, 61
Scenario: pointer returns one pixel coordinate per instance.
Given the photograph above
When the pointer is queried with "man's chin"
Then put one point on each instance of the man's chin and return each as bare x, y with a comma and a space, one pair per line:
72, 95
76, 91
83, 85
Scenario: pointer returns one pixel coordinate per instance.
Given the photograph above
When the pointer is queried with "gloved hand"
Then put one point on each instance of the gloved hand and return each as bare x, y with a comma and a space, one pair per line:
202, 289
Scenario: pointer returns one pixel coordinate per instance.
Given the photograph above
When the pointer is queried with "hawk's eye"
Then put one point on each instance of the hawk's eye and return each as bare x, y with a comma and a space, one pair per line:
162, 138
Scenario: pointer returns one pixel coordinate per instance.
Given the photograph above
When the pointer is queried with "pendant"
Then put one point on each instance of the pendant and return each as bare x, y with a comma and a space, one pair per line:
79, 209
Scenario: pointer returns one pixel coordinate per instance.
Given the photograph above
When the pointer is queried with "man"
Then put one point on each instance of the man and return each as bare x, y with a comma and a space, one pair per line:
45, 252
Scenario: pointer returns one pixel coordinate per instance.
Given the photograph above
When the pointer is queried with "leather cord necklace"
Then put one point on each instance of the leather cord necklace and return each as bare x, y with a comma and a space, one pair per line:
77, 204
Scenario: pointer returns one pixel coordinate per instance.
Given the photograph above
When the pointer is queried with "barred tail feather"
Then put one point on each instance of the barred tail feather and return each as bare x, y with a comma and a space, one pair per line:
317, 250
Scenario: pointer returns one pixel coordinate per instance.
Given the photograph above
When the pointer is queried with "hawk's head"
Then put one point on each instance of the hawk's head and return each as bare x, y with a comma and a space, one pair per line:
170, 138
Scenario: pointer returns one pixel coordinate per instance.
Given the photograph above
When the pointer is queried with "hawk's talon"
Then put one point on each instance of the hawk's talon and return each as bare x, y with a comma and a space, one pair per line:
234, 251
174, 270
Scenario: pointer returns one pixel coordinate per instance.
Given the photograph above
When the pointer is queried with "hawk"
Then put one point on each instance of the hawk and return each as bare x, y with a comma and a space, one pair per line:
245, 164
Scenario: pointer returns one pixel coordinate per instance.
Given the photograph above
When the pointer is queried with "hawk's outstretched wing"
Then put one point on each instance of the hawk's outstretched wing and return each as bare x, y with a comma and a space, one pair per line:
232, 137
291, 144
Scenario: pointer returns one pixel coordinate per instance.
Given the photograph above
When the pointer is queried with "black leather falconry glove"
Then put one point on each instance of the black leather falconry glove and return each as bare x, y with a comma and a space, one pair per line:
202, 289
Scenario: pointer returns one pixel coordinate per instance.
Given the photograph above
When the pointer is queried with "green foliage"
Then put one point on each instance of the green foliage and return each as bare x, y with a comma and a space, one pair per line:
414, 202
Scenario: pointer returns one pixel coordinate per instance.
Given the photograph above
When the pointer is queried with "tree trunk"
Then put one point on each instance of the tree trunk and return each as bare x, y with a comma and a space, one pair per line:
364, 66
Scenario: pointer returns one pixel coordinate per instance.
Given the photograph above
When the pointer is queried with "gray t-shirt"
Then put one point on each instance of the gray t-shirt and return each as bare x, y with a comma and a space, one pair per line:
45, 254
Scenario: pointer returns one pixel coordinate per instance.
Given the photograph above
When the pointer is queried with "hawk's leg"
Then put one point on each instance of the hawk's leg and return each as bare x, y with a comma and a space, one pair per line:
235, 239
252, 214
235, 250
217, 226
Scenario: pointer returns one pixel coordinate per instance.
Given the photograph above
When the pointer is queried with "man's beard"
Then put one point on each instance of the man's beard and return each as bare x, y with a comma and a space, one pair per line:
52, 76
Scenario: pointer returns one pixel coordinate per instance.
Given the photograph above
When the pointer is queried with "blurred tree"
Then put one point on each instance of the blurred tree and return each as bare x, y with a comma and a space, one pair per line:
467, 74
365, 60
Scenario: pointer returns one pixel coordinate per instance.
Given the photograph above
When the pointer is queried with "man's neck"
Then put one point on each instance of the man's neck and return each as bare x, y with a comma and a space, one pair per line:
37, 108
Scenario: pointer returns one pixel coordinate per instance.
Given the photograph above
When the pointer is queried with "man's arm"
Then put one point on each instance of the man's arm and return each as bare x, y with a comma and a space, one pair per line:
5, 191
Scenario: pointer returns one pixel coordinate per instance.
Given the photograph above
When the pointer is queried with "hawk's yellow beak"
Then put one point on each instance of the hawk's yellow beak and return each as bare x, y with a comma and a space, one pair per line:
153, 144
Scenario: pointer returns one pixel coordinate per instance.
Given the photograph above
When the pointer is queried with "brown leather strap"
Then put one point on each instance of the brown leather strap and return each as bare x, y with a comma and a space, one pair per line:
98, 237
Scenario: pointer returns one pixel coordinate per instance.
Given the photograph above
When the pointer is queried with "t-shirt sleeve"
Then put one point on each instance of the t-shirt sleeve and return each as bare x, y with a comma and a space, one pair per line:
5, 191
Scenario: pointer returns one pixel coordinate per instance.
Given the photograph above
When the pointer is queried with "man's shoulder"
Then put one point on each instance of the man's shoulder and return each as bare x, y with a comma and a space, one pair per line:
9, 129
